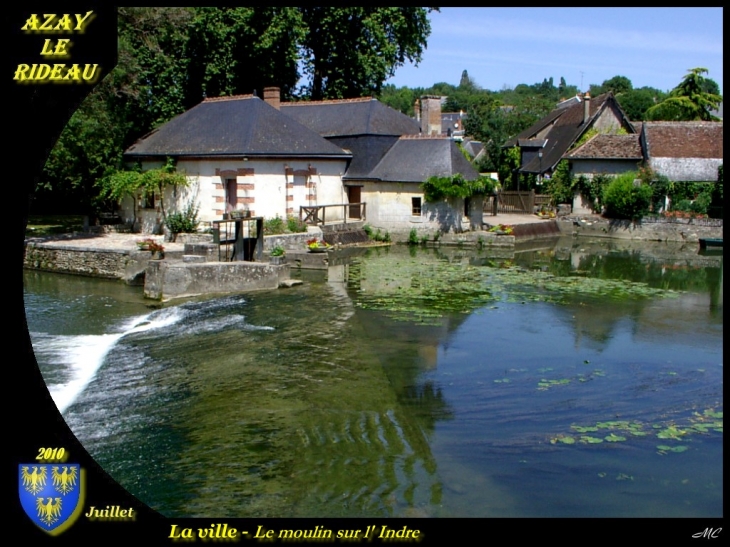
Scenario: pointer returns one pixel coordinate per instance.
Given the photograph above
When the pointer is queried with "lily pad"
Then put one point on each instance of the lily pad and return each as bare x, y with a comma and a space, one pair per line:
613, 438
590, 440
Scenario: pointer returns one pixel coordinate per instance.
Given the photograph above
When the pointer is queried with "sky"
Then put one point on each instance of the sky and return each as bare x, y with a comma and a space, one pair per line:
503, 47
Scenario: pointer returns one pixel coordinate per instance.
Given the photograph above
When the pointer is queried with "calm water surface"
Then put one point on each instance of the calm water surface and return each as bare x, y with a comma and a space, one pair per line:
581, 378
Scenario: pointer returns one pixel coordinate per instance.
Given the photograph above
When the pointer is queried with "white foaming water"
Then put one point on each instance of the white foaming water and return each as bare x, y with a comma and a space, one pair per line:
81, 356
76, 359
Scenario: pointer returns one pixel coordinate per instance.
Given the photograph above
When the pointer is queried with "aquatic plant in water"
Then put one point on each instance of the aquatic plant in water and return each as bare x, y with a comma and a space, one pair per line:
425, 287
621, 430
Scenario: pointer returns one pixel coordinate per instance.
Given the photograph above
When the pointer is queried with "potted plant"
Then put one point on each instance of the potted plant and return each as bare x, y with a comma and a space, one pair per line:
144, 244
502, 229
158, 251
315, 245
277, 255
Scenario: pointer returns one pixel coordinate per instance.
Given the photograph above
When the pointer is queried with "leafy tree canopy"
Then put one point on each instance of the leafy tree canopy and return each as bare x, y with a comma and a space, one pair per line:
636, 102
688, 101
351, 51
617, 85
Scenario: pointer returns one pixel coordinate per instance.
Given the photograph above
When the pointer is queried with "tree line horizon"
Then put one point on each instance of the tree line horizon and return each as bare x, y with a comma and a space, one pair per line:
170, 59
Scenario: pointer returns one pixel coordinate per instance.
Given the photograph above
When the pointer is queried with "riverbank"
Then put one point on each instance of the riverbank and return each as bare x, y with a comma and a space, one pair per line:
668, 230
116, 256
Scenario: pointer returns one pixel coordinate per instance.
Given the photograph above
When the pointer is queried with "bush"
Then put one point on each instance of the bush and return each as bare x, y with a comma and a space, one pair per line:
560, 185
183, 222
413, 237
716, 207
295, 226
436, 189
274, 226
368, 230
624, 200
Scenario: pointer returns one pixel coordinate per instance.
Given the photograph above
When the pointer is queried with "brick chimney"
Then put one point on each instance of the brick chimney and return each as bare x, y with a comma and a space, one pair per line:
586, 107
417, 110
272, 95
431, 115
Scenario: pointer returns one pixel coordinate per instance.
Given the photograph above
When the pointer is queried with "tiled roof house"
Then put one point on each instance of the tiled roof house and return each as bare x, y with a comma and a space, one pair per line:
544, 144
681, 151
392, 155
271, 158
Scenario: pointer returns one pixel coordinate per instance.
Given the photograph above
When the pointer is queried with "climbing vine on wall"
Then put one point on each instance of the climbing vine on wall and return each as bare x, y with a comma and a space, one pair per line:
436, 189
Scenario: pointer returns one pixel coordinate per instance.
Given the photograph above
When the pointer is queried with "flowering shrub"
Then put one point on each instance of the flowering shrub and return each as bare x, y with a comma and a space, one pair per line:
506, 228
315, 243
144, 244
156, 247
682, 214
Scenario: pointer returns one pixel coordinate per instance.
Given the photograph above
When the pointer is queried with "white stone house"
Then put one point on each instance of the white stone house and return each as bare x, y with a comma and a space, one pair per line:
392, 155
272, 158
240, 153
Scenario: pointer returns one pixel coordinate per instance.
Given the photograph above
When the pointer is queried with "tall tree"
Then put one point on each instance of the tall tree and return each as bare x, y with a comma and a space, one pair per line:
236, 50
636, 102
402, 99
351, 51
688, 101
171, 58
617, 84
466, 82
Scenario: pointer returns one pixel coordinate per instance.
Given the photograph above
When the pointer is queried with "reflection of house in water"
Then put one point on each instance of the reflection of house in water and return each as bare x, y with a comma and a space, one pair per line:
697, 278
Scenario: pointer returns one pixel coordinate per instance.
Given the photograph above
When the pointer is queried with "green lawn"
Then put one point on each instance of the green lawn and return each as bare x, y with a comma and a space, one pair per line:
43, 225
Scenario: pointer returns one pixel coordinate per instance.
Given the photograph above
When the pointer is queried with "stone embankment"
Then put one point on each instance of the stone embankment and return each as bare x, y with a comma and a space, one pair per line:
676, 230
189, 264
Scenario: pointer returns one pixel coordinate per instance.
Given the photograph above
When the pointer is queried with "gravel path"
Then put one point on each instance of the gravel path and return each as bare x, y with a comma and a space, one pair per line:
116, 241
120, 241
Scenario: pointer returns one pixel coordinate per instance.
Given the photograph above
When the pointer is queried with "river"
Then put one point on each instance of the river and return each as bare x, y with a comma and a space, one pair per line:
579, 378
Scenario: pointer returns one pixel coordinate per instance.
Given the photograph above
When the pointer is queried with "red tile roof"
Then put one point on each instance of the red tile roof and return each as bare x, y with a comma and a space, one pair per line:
683, 139
609, 147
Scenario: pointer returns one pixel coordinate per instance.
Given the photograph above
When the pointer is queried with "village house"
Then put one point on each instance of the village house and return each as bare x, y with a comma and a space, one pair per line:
680, 151
271, 158
239, 153
544, 144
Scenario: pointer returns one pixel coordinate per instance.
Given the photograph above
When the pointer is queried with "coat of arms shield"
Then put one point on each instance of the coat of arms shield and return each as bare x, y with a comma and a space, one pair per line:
51, 494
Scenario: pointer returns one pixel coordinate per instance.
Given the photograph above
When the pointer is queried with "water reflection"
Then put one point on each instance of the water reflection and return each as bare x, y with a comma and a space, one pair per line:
415, 382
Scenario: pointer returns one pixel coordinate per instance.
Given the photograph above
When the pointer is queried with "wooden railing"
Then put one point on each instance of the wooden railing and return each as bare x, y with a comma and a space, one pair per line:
515, 202
317, 214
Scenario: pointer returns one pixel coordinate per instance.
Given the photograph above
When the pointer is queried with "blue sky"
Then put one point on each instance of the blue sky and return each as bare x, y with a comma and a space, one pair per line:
509, 46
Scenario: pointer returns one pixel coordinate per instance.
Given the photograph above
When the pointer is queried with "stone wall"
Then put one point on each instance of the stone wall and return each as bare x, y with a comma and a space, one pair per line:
291, 241
626, 229
110, 263
165, 280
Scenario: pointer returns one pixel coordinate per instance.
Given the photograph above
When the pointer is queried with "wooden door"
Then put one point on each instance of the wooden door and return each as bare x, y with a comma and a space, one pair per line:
354, 196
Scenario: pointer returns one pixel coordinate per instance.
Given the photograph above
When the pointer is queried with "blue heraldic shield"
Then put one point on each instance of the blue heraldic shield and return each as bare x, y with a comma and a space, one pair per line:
51, 494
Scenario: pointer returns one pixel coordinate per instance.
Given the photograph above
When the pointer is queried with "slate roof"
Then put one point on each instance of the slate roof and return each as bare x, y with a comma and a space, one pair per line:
625, 147
562, 127
473, 148
683, 139
350, 117
415, 159
238, 125
367, 151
